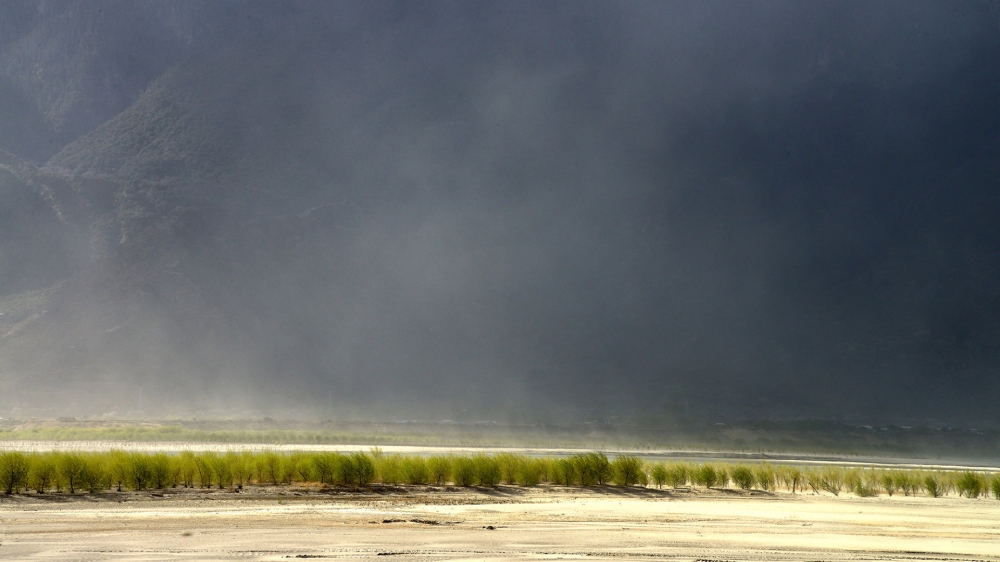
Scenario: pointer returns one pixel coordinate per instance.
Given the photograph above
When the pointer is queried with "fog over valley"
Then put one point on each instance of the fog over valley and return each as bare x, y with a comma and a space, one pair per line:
522, 212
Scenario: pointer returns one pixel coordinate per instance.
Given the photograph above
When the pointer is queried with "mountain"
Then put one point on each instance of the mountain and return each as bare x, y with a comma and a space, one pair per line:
548, 212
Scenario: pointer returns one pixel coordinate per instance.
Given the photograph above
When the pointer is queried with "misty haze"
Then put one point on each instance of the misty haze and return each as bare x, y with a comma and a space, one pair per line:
489, 280
659, 212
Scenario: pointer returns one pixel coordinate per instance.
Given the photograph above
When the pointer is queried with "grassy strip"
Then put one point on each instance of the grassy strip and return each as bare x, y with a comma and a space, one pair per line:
838, 439
454, 437
180, 434
73, 472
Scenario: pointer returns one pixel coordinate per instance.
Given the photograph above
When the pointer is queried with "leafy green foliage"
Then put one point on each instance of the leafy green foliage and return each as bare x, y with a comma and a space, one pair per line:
889, 482
361, 467
74, 472
907, 482
487, 470
415, 470
971, 484
864, 483
563, 472
325, 467
71, 467
14, 468
138, 470
628, 470
934, 485
831, 479
592, 468
161, 471
743, 477
439, 469
764, 476
389, 469
531, 472
42, 473
463, 471
677, 475
705, 475
658, 474
792, 477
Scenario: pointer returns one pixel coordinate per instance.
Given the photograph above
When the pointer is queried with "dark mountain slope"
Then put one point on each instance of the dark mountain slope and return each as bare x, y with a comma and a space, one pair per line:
80, 63
36, 243
420, 209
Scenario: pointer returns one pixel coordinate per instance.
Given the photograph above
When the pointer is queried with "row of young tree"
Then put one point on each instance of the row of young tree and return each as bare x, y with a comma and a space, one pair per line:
74, 472
863, 482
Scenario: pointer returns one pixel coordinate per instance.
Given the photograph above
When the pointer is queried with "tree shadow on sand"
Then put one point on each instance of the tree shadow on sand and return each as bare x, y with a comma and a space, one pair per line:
632, 491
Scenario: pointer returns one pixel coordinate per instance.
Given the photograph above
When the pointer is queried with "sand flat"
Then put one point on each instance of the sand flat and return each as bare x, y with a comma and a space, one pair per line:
538, 524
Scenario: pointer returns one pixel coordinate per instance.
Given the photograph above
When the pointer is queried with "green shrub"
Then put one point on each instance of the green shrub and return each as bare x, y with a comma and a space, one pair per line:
592, 468
907, 482
813, 479
627, 470
299, 467
764, 477
363, 468
117, 467
970, 484
325, 465
705, 475
14, 468
487, 470
531, 472
268, 466
658, 474
602, 468
563, 472
344, 471
864, 483
439, 469
185, 469
138, 471
463, 471
831, 479
42, 473
96, 476
677, 474
933, 485
287, 468
995, 485
160, 471
204, 462
227, 464
388, 469
888, 481
71, 467
722, 472
240, 466
415, 470
509, 464
743, 477
792, 477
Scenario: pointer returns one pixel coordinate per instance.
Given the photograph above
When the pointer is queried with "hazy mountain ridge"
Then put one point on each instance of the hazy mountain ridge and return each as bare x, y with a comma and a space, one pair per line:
84, 62
444, 207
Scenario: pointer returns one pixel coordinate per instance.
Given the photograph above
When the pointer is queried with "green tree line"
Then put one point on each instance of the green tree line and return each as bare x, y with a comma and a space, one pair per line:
119, 470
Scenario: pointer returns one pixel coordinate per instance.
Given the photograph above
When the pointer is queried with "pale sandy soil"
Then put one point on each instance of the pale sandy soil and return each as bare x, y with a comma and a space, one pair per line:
537, 524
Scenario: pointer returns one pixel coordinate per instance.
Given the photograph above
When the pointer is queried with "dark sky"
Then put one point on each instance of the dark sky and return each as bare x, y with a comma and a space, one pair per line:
714, 210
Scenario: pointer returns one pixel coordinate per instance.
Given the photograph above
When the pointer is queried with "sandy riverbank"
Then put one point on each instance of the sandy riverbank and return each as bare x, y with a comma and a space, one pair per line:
527, 524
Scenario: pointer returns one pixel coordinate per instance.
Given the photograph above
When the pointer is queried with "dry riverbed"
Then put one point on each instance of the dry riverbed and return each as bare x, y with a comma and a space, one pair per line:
447, 523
